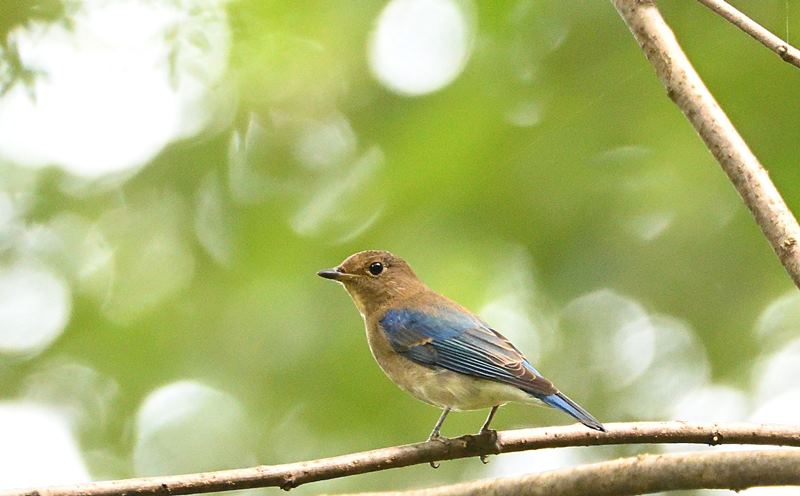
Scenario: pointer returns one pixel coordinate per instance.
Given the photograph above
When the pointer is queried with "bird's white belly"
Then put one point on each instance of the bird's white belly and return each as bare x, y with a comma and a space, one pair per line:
444, 388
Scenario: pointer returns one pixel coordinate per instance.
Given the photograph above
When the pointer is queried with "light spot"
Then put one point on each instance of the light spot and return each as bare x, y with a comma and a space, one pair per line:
535, 34
421, 46
621, 155
525, 114
769, 491
518, 307
775, 373
650, 226
615, 331
679, 364
708, 403
7, 211
343, 205
34, 308
780, 321
38, 448
187, 426
152, 258
212, 222
126, 79
84, 396
77, 247
634, 343
645, 360
326, 143
10, 224
779, 409
247, 184
519, 464
711, 403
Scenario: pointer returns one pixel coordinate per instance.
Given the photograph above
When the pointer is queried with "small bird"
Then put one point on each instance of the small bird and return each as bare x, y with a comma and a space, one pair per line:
438, 351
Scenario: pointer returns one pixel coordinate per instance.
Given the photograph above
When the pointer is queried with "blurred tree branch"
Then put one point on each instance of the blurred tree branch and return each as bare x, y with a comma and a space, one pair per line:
641, 474
687, 90
764, 36
294, 474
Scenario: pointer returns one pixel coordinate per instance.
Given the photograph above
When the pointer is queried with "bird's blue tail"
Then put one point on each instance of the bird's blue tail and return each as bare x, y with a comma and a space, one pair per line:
563, 403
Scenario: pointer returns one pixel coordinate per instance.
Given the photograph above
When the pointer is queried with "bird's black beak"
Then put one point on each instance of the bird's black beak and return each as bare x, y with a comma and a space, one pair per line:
335, 274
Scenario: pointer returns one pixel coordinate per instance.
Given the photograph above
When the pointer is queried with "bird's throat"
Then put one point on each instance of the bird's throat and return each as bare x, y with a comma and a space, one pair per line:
357, 300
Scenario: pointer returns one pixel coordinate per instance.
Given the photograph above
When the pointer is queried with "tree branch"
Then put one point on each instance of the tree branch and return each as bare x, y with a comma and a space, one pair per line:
761, 34
293, 474
642, 474
687, 90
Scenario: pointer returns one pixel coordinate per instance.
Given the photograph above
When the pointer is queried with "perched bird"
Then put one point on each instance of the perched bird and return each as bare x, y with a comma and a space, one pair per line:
435, 349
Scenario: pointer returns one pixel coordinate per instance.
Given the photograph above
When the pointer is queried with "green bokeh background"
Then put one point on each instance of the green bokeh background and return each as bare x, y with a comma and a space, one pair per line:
469, 199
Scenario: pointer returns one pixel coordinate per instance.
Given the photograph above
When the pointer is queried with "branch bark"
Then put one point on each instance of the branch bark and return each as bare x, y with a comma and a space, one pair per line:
642, 474
293, 474
761, 34
687, 90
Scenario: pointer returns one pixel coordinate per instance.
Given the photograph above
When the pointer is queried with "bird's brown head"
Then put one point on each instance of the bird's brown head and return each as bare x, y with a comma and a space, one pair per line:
374, 279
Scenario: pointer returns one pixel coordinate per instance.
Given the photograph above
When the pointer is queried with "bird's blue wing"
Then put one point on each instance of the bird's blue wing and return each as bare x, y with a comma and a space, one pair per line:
455, 340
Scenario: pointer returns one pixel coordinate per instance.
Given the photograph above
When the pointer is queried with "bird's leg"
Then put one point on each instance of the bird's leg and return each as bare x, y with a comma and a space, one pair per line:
435, 431
485, 428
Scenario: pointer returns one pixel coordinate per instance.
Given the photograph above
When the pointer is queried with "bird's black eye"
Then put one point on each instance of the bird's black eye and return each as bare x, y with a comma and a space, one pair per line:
375, 268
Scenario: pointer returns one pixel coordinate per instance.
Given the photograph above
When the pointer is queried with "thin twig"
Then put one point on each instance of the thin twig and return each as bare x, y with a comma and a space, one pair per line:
642, 474
687, 90
761, 34
293, 474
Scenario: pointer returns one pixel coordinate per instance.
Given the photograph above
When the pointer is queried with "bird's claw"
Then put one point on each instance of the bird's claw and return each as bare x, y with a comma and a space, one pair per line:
437, 437
485, 431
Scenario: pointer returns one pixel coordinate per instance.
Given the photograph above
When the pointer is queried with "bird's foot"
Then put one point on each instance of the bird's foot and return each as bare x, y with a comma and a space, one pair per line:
435, 436
485, 431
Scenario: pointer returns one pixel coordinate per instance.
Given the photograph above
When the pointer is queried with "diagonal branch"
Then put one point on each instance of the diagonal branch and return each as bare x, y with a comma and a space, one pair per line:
293, 474
761, 34
687, 90
642, 474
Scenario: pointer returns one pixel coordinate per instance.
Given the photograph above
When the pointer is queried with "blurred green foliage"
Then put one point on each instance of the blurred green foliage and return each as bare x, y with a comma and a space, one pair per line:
552, 167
